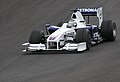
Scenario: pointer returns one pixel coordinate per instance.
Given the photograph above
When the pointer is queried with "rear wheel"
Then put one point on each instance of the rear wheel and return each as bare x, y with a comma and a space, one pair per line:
36, 37
83, 35
108, 30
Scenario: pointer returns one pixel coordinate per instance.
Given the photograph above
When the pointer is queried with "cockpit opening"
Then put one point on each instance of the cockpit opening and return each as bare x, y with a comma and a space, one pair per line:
74, 16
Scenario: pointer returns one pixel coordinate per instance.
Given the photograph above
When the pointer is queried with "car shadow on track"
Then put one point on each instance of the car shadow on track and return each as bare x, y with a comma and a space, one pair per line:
51, 52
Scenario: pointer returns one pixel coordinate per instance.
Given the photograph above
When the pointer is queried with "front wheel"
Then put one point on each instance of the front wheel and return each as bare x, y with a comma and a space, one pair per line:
83, 35
36, 37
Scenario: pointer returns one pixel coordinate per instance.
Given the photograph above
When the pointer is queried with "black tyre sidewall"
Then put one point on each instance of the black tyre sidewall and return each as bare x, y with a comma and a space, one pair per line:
107, 28
83, 35
36, 37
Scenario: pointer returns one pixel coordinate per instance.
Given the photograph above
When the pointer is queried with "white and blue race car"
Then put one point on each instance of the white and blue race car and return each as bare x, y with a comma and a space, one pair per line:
76, 34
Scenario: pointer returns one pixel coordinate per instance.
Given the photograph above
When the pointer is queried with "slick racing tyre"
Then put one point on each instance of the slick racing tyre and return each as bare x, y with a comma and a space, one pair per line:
36, 37
83, 35
108, 30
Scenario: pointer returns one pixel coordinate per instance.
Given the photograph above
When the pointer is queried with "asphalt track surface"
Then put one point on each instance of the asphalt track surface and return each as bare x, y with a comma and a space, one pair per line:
19, 17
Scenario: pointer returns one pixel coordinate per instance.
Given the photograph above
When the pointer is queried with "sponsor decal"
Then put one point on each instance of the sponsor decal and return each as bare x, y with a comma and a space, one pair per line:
53, 37
88, 10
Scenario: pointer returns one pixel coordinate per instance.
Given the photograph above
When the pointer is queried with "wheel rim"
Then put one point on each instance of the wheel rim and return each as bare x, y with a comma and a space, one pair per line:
114, 31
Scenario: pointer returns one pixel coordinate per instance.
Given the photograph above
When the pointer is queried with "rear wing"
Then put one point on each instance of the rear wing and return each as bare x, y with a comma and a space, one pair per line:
89, 11
93, 12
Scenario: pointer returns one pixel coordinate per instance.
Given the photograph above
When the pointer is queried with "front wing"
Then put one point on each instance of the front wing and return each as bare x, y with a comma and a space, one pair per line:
68, 47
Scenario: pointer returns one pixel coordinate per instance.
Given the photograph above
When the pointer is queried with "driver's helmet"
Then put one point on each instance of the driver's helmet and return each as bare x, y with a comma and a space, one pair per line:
71, 24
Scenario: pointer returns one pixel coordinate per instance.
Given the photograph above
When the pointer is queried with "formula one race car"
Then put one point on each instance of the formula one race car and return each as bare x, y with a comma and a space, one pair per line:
76, 34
